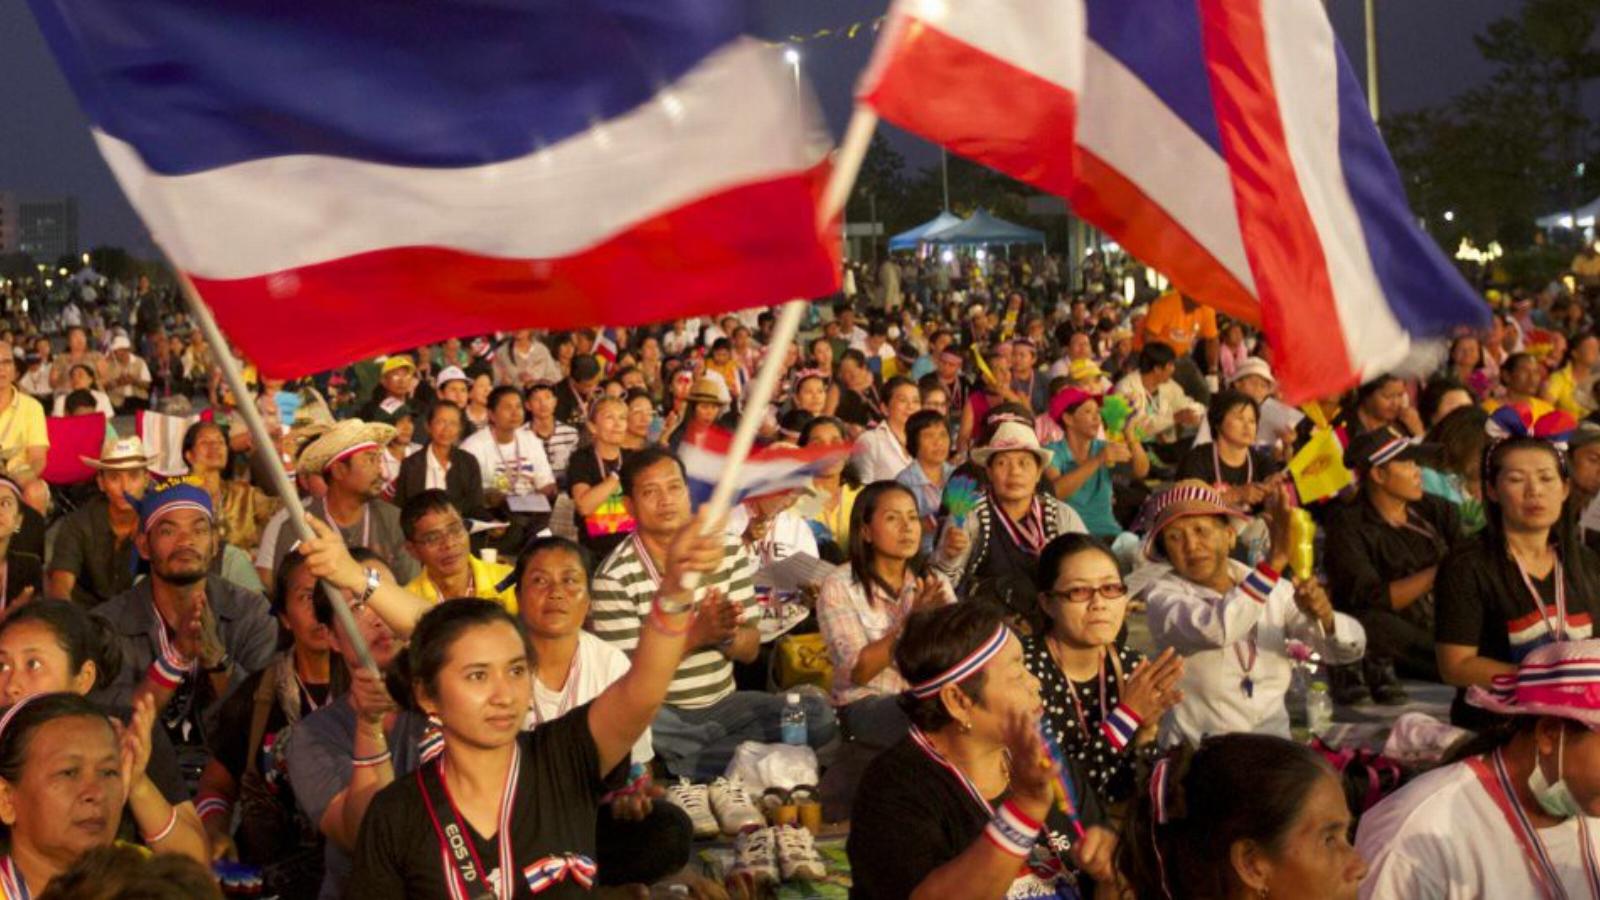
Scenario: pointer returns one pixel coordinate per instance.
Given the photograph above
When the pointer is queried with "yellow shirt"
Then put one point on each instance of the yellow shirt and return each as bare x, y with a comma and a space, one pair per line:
21, 426
1539, 408
1562, 390
485, 576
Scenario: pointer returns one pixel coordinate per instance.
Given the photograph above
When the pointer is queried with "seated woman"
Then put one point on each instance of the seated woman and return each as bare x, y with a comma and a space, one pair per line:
863, 609
595, 481
1458, 477
1081, 462
1244, 474
1526, 579
833, 491
928, 440
1103, 700
1244, 815
53, 646
254, 725
471, 663
1232, 623
65, 774
963, 805
1011, 523
82, 378
1513, 819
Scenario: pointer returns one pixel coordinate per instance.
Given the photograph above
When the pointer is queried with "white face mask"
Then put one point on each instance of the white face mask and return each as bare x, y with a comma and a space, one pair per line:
1555, 799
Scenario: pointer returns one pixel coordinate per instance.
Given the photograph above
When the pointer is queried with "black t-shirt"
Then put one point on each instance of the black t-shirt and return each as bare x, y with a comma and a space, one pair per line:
1482, 602
1199, 463
610, 524
559, 784
911, 816
855, 408
1365, 553
571, 408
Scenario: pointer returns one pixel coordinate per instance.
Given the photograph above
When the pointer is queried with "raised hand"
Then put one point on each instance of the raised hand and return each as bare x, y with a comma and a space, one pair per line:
1152, 688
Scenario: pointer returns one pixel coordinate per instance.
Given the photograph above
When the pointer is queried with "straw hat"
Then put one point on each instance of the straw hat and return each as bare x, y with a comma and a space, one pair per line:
708, 390
343, 439
124, 454
1560, 679
1011, 436
1191, 497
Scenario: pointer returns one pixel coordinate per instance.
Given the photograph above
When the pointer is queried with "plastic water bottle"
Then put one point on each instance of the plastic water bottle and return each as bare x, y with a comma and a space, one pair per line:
1319, 707
793, 721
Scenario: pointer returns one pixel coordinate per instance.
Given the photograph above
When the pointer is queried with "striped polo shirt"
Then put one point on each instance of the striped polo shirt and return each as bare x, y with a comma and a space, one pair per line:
624, 588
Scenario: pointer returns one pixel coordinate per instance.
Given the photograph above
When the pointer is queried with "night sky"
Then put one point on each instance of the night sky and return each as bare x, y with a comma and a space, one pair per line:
1425, 46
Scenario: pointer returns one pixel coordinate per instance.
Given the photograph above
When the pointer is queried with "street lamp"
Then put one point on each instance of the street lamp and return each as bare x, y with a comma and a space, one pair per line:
792, 57
86, 259
1449, 215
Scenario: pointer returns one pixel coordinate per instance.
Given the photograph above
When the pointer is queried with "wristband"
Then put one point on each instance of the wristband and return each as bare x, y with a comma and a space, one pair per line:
377, 759
373, 580
1120, 725
165, 674
672, 609
172, 820
1259, 583
1012, 830
212, 805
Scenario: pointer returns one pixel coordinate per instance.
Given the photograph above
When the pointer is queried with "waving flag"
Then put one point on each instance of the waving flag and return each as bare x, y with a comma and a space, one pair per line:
345, 179
768, 470
995, 81
1228, 144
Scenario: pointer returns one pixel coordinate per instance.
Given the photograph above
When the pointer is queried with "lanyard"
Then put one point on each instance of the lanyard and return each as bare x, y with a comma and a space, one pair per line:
645, 562
1496, 782
305, 691
1028, 534
366, 523
569, 690
1072, 688
1247, 662
516, 460
12, 882
955, 772
1558, 628
162, 640
1216, 464
463, 870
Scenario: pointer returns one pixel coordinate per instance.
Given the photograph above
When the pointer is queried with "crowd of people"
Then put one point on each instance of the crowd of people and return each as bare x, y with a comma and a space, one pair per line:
1074, 582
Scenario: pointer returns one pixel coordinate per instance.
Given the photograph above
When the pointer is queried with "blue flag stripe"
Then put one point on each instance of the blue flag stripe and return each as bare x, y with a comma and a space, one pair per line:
446, 83
1159, 41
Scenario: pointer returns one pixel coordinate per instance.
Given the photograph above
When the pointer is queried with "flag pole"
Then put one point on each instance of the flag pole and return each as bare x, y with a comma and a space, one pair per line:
267, 452
846, 165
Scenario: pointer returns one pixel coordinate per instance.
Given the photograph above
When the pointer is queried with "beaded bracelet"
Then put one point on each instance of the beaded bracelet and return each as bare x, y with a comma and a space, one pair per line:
172, 820
377, 759
1012, 830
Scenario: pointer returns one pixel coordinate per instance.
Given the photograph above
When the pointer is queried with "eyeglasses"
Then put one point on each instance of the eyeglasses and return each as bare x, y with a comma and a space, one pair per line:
1114, 590
440, 535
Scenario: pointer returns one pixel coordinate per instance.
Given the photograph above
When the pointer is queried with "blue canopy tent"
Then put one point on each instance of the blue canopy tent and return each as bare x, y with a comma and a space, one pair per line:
984, 228
908, 240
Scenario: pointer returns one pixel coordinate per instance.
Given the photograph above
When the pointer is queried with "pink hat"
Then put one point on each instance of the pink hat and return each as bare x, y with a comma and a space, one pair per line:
1560, 679
1068, 399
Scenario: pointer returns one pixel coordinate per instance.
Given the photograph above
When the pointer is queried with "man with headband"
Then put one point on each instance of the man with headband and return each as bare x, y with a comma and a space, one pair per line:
186, 635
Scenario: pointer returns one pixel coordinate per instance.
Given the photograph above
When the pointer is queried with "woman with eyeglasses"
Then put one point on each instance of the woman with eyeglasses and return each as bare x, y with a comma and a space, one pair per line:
1103, 700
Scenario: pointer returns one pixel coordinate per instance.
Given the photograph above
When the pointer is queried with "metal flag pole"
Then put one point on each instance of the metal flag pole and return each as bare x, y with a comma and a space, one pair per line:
846, 165
267, 451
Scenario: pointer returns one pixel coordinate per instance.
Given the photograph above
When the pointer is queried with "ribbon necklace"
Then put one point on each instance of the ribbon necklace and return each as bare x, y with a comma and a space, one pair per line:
1558, 628
1249, 465
1496, 781
645, 562
569, 689
455, 880
366, 523
1072, 687
12, 883
1028, 534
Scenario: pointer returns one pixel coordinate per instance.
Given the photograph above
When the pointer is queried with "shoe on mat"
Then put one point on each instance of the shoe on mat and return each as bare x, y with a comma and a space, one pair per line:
1347, 685
755, 856
1384, 683
797, 855
733, 807
693, 800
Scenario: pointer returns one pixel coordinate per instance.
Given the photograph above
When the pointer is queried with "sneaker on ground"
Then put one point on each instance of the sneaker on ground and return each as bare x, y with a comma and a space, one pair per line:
733, 806
755, 855
797, 855
692, 799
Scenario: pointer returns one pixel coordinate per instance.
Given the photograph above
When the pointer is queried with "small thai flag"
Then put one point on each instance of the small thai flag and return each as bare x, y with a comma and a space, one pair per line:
605, 346
768, 470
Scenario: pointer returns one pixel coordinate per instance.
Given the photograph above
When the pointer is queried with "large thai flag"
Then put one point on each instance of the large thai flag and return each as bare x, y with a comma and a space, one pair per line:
767, 470
1228, 144
342, 179
993, 80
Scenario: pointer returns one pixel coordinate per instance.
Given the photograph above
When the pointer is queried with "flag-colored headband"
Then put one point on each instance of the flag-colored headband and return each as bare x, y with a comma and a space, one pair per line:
964, 669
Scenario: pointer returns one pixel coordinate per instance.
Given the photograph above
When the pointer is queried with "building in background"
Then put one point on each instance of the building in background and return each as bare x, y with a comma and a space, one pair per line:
48, 229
